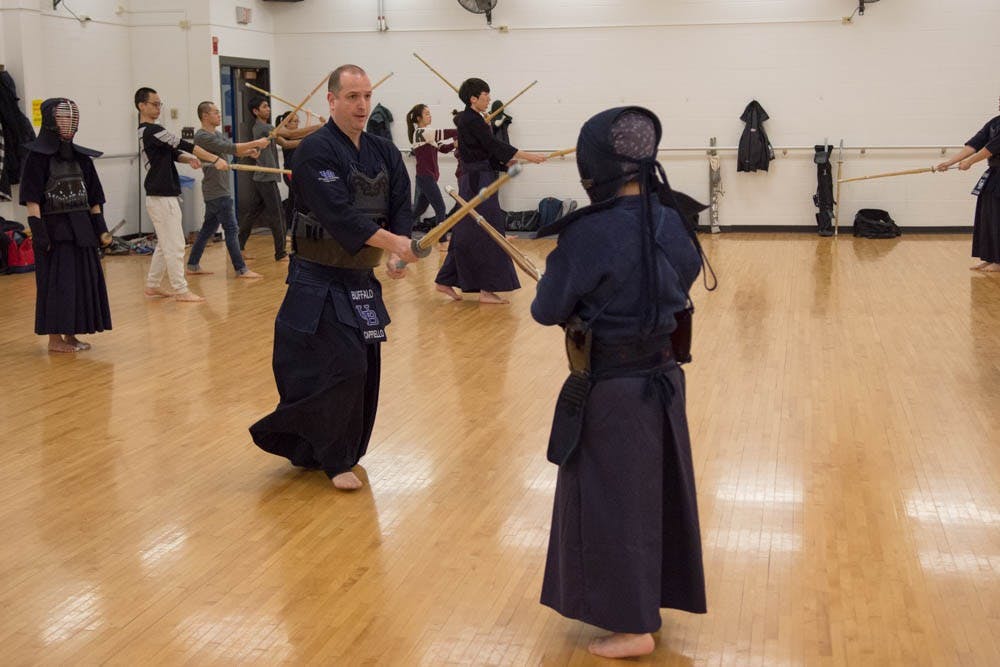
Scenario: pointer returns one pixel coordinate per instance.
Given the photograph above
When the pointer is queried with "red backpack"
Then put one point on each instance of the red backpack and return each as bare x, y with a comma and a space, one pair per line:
20, 252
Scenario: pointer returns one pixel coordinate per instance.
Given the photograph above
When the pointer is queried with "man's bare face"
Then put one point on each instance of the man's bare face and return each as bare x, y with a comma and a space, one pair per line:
350, 107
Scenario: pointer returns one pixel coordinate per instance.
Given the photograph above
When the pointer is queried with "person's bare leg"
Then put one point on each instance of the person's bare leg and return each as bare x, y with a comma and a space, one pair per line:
347, 481
448, 290
57, 344
491, 297
189, 297
622, 645
79, 344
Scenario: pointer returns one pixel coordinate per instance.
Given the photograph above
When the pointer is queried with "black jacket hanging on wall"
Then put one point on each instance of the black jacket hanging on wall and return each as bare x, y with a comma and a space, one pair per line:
823, 199
501, 123
378, 122
755, 148
17, 131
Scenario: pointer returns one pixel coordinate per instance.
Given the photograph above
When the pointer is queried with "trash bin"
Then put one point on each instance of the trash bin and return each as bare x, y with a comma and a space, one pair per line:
189, 216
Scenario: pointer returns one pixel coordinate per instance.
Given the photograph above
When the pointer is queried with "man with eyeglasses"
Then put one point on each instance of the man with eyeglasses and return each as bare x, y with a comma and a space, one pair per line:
160, 149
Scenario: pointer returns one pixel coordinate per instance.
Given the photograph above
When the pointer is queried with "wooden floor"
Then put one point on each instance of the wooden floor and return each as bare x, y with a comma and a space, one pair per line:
845, 413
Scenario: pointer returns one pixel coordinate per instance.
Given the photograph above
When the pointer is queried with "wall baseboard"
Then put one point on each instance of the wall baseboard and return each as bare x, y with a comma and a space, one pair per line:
844, 229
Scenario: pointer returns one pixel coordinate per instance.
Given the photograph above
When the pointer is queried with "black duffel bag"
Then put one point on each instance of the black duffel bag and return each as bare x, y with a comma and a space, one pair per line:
874, 223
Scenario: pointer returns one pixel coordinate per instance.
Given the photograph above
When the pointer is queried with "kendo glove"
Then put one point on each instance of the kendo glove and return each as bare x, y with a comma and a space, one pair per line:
39, 234
101, 229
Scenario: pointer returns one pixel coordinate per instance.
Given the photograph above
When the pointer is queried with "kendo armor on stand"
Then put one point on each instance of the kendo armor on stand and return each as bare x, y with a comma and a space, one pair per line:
823, 199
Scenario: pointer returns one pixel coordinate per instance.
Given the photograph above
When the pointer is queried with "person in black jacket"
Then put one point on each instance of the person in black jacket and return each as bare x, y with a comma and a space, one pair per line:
755, 150
625, 539
160, 149
985, 145
474, 262
65, 200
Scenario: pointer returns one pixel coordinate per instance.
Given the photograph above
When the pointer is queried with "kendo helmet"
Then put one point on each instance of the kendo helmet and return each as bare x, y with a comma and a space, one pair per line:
613, 147
60, 122
61, 116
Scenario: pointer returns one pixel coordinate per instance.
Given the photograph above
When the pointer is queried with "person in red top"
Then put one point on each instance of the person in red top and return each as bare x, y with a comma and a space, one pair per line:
426, 142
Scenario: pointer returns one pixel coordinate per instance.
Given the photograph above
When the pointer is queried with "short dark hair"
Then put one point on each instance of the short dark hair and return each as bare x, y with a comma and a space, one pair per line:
333, 85
255, 103
142, 95
472, 88
204, 108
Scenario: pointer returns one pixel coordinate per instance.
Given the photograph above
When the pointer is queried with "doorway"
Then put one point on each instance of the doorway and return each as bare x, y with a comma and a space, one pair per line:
234, 75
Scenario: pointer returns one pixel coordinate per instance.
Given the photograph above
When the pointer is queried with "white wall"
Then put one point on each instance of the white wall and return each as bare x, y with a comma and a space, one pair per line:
101, 62
908, 72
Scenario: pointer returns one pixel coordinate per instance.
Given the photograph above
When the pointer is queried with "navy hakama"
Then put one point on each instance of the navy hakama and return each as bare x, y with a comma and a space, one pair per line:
986, 228
625, 539
327, 378
475, 262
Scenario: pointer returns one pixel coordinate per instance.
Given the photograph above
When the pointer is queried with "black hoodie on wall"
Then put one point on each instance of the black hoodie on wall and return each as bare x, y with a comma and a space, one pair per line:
17, 131
378, 122
755, 148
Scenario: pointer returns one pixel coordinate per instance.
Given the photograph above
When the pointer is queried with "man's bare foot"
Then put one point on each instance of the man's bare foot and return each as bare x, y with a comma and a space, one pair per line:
490, 297
449, 291
76, 342
347, 481
248, 274
156, 293
622, 645
197, 271
189, 297
979, 267
285, 259
246, 255
991, 268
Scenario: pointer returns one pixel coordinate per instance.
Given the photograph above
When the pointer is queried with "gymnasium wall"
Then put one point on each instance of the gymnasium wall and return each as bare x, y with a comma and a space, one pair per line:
101, 62
913, 72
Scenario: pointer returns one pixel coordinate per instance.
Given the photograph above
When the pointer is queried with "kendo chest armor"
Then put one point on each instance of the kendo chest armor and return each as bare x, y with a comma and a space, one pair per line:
313, 243
65, 191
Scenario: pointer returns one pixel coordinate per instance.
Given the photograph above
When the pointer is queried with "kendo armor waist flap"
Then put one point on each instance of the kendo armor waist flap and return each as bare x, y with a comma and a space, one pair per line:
311, 242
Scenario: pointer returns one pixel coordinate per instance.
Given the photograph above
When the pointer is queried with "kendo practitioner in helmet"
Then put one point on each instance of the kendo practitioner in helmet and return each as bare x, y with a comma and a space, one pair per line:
474, 262
352, 197
625, 540
60, 187
985, 145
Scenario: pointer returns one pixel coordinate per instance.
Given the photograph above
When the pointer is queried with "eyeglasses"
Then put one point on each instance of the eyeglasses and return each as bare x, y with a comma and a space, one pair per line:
154, 104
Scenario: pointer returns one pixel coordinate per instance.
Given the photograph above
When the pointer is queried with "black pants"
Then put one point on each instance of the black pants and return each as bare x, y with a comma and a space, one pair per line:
265, 208
427, 194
